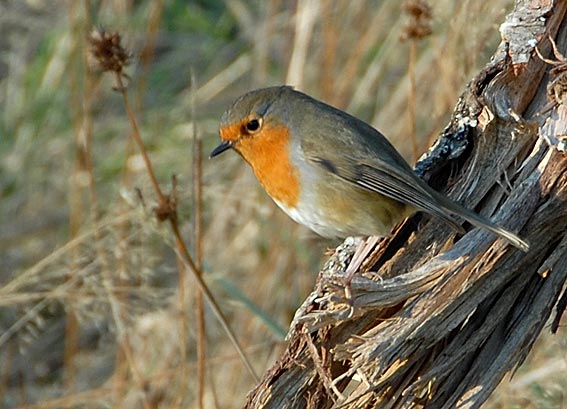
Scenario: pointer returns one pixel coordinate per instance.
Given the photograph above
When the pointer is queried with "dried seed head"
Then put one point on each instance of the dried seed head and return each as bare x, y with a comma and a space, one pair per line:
107, 51
419, 24
418, 9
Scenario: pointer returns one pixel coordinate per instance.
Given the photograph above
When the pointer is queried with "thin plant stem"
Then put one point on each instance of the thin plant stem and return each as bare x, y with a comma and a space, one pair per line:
198, 250
180, 244
81, 140
411, 98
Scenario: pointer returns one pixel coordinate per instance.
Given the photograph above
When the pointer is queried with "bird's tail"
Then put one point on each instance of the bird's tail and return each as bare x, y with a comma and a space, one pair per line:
453, 208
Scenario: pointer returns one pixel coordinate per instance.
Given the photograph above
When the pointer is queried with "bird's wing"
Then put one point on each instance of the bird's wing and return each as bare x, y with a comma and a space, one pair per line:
375, 165
389, 180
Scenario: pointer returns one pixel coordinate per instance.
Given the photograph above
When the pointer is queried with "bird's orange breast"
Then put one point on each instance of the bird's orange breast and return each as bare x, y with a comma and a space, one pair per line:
268, 154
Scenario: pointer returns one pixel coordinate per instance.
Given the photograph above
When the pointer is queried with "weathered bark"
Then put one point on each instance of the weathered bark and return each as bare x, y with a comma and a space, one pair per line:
435, 319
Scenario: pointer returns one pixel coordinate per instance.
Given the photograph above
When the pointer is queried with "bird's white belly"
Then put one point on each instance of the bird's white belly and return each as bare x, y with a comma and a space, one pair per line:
311, 218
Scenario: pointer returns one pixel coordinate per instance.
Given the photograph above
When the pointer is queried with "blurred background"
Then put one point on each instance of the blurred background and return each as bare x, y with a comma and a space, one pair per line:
95, 310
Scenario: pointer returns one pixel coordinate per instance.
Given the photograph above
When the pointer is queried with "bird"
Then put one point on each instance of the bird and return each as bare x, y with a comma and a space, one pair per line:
330, 171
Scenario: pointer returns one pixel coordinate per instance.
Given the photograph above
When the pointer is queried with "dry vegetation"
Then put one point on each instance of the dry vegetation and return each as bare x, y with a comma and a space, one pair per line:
96, 308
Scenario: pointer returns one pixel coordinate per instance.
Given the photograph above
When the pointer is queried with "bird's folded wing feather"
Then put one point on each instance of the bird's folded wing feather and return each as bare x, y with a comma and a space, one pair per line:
387, 180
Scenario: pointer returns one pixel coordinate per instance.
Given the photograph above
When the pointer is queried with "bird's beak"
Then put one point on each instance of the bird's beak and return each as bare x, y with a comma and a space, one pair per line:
224, 145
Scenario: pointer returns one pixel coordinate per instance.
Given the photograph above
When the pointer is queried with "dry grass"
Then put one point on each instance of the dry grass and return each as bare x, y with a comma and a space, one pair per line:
89, 300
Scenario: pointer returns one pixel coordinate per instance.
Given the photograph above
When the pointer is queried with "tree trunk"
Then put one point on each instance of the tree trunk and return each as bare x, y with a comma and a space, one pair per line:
435, 319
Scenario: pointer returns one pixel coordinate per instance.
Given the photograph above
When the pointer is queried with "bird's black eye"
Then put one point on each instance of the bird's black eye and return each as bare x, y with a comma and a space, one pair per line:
253, 125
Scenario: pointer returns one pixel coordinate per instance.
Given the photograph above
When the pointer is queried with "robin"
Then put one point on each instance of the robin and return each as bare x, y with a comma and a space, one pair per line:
330, 171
